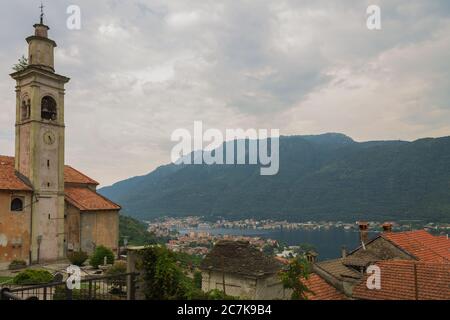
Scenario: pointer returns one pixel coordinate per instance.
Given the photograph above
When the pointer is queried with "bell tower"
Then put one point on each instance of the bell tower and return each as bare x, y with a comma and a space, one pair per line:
39, 154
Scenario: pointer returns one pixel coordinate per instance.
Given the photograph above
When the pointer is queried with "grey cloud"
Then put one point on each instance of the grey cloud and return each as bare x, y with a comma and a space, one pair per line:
141, 69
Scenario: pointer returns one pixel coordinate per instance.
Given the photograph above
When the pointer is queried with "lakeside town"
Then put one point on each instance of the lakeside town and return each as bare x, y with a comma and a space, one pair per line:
193, 235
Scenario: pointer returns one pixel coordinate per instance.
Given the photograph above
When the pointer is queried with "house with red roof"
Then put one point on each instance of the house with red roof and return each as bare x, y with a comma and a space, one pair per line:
411, 265
47, 209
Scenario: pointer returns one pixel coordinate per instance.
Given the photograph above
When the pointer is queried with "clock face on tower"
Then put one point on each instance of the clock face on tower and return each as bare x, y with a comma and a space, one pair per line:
49, 138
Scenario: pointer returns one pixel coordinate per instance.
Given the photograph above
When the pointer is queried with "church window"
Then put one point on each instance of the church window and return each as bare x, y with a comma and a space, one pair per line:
25, 109
16, 204
48, 108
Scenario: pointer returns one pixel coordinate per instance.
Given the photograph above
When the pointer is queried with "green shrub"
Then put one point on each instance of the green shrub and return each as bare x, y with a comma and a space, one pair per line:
217, 294
198, 280
119, 267
77, 258
31, 277
99, 254
17, 264
117, 283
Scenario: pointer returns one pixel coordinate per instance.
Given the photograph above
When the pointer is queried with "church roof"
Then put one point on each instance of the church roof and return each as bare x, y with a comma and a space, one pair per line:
9, 179
80, 197
72, 175
85, 199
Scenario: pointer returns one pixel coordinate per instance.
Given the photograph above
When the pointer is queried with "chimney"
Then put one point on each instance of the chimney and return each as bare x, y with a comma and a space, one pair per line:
311, 257
344, 252
387, 227
363, 232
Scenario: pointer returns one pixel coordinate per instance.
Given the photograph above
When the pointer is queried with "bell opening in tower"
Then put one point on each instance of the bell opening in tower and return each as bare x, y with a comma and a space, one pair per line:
48, 108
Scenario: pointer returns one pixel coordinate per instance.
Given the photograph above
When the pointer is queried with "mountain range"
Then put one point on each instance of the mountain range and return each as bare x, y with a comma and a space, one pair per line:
321, 177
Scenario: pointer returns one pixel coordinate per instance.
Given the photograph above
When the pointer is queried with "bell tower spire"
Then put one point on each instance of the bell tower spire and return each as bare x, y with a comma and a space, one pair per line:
40, 47
40, 142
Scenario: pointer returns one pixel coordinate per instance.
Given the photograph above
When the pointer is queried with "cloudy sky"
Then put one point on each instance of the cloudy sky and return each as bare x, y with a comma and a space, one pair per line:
142, 68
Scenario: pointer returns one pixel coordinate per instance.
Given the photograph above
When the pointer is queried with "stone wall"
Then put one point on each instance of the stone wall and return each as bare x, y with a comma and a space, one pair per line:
99, 228
262, 288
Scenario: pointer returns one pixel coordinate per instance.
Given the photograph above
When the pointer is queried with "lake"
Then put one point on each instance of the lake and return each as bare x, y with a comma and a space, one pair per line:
327, 242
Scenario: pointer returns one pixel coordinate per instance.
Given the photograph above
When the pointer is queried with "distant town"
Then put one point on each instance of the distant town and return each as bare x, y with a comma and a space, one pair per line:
192, 235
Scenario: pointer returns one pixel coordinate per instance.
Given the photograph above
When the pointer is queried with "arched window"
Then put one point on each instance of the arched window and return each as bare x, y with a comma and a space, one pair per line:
17, 204
48, 108
26, 105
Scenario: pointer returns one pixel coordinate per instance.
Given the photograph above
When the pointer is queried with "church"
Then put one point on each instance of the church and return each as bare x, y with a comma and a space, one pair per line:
47, 208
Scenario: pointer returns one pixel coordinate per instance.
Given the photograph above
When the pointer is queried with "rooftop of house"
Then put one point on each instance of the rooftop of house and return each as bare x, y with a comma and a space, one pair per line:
240, 257
76, 191
321, 290
429, 254
421, 244
338, 270
408, 280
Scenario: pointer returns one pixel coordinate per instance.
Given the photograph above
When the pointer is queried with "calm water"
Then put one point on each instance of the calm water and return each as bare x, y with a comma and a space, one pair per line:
328, 243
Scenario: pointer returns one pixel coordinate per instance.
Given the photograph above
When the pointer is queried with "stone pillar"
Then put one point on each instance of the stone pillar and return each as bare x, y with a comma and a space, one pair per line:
133, 266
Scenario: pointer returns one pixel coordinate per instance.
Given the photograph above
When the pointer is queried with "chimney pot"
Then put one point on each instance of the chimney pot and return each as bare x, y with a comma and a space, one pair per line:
344, 252
387, 227
311, 256
363, 231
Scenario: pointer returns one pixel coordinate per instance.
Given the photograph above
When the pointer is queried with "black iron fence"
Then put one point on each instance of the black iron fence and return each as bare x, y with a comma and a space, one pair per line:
112, 287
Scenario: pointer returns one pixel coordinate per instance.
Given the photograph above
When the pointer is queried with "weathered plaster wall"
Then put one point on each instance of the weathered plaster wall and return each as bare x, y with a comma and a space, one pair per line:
72, 228
262, 288
23, 138
14, 229
271, 288
49, 224
99, 228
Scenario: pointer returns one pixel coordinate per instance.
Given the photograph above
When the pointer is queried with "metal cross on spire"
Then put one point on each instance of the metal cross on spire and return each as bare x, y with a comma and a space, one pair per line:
42, 13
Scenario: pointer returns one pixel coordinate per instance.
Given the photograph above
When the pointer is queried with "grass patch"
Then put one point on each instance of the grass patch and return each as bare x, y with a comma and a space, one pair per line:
4, 280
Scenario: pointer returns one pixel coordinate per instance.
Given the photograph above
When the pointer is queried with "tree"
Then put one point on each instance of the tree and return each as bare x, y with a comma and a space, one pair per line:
293, 278
135, 231
164, 279
23, 63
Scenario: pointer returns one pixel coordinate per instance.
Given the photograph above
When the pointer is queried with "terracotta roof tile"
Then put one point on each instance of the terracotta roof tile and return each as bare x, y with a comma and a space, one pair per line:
9, 179
72, 175
282, 260
87, 200
338, 270
321, 290
421, 244
398, 281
